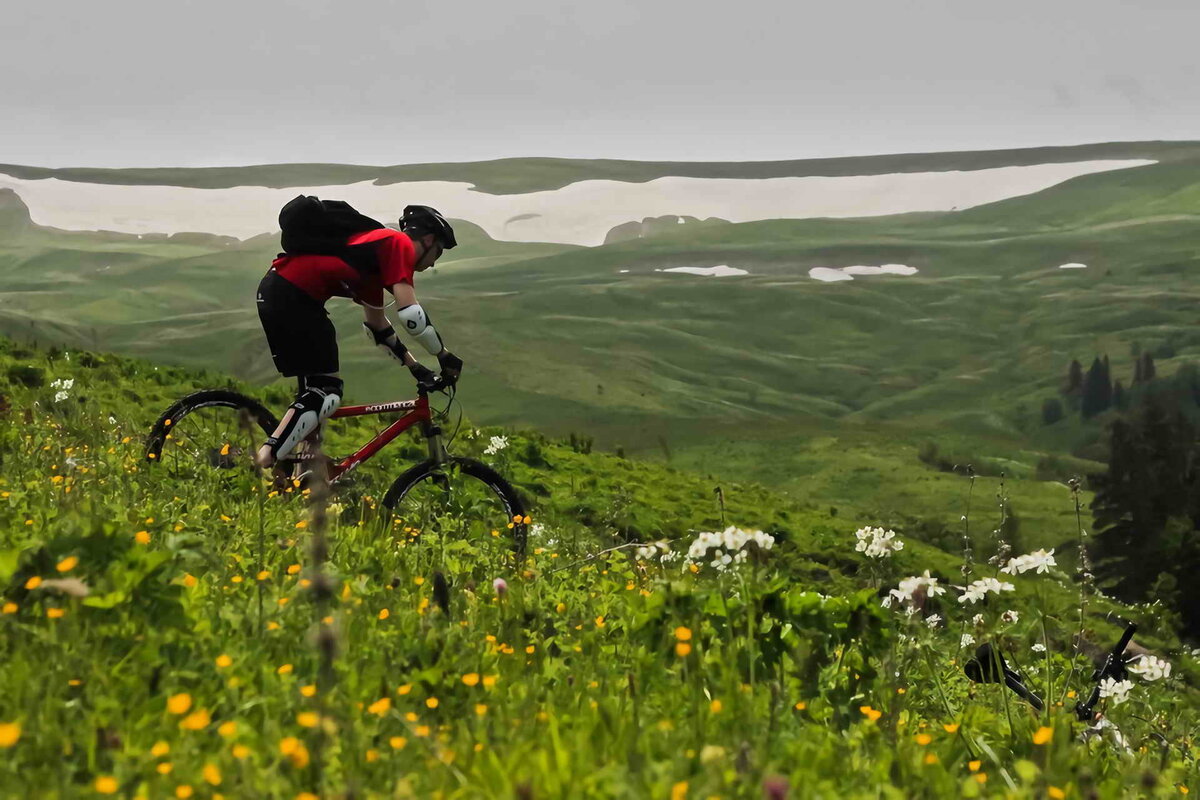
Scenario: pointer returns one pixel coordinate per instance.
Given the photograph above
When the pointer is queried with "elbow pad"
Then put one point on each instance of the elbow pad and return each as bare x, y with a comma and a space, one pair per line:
417, 323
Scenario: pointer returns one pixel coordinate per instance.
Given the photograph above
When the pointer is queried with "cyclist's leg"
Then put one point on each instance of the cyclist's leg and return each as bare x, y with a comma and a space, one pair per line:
317, 396
303, 345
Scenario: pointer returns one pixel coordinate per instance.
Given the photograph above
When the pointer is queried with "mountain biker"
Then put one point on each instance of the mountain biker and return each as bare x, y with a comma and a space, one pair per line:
303, 343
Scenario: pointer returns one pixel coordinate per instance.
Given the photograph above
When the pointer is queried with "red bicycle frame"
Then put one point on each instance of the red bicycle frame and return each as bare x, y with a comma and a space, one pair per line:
418, 414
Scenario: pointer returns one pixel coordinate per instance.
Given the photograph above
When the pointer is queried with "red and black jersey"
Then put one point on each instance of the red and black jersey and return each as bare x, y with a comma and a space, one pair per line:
374, 261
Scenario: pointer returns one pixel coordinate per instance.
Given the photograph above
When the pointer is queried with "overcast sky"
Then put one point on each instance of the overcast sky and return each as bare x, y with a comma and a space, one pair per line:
216, 82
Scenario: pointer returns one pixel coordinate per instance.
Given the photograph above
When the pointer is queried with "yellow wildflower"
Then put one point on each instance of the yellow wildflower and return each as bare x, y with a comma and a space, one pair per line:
931, 758
683, 634
679, 791
183, 791
33, 582
397, 742
308, 691
67, 564
211, 774
285, 669
55, 613
471, 678
160, 749
223, 661
197, 720
106, 784
179, 703
10, 733
422, 730
164, 768
227, 729
951, 727
240, 751
380, 706
293, 569
715, 706
432, 702
142, 537
682, 649
870, 713
384, 613
307, 719
1043, 735
923, 739
10, 608
480, 709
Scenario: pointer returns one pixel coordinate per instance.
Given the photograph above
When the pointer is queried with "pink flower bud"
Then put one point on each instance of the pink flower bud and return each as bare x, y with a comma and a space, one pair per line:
500, 586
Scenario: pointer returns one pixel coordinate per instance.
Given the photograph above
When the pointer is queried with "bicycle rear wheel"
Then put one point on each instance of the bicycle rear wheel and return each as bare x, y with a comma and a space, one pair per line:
458, 498
209, 431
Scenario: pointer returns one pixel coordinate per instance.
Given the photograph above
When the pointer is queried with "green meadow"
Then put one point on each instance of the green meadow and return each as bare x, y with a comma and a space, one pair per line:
207, 635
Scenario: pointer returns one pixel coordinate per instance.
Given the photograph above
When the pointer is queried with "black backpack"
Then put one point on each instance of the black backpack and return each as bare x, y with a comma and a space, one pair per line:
311, 226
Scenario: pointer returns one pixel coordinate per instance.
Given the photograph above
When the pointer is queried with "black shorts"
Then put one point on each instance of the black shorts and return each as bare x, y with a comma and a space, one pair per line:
299, 333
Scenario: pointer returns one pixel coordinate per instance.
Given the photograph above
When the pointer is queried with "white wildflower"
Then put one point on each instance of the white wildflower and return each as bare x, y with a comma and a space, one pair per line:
1116, 691
1039, 648
877, 542
887, 601
112, 420
910, 586
60, 396
1150, 668
498, 443
730, 546
1039, 560
1010, 616
63, 383
980, 589
654, 551
932, 620
977, 620
966, 641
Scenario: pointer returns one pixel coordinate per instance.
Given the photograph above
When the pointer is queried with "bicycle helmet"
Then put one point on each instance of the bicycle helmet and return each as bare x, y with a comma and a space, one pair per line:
420, 220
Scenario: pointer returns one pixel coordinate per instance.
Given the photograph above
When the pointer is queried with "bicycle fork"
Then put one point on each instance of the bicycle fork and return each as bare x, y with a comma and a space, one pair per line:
433, 440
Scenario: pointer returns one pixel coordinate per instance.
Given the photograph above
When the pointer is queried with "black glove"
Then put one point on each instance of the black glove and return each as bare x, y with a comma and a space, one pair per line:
426, 377
451, 366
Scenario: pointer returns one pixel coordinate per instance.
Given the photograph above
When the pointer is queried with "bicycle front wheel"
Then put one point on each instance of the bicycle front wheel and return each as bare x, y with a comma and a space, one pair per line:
458, 498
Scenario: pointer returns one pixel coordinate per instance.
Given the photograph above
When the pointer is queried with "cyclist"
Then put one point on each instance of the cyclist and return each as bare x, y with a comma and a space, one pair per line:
303, 343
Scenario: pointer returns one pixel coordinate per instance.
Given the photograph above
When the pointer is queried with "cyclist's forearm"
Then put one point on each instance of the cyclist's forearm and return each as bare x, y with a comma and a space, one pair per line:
375, 317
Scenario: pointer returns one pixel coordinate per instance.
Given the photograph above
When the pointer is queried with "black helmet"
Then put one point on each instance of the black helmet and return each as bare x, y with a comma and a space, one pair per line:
420, 220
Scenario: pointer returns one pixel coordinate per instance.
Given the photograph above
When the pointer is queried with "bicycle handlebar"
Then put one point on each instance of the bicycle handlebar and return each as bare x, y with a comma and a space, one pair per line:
1113, 667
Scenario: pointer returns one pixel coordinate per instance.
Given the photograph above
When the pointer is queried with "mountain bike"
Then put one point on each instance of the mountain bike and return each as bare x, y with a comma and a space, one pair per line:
215, 430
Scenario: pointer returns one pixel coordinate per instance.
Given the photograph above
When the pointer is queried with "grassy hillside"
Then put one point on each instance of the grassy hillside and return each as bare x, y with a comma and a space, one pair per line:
829, 391
515, 175
191, 639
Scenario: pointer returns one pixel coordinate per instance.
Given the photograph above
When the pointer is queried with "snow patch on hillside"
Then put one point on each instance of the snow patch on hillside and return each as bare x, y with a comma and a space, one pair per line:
719, 271
831, 275
581, 213
1072, 266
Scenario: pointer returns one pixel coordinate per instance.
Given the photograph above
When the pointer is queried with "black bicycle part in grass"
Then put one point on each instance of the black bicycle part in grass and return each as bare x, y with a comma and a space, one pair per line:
435, 472
989, 666
1113, 667
207, 398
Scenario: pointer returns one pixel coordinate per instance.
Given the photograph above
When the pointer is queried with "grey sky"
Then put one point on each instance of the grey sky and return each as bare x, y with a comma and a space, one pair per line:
206, 82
